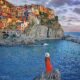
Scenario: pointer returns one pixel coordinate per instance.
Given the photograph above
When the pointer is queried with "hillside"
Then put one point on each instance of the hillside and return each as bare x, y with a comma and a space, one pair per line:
36, 21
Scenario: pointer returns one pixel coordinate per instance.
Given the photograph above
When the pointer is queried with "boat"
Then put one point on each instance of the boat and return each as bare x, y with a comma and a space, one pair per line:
54, 75
50, 73
45, 44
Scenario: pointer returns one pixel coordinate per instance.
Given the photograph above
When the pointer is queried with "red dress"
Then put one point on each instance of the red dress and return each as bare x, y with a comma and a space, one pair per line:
48, 65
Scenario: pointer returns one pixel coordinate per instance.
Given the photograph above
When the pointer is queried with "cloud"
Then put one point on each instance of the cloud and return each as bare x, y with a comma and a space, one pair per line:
68, 18
48, 2
55, 3
23, 2
76, 2
62, 2
77, 10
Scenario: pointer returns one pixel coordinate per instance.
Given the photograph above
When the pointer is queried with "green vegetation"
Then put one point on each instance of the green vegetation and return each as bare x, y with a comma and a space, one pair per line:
43, 15
45, 21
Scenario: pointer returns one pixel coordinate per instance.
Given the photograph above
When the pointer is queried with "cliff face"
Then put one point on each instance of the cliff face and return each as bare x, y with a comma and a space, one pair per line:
41, 32
45, 28
38, 32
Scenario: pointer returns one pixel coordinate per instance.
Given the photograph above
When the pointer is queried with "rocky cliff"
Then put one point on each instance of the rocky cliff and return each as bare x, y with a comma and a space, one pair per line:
41, 32
50, 29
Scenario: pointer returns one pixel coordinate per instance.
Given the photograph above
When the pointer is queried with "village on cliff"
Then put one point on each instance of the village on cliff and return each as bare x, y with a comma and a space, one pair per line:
12, 17
36, 21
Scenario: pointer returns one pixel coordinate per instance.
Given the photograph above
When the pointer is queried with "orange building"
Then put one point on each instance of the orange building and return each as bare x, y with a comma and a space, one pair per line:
1, 25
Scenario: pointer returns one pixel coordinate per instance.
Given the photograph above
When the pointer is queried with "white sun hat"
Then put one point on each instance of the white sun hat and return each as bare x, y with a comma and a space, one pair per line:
47, 54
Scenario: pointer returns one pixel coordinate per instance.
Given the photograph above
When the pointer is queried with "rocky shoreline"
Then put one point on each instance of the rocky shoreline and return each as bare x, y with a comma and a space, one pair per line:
13, 38
19, 41
30, 41
22, 39
71, 38
15, 42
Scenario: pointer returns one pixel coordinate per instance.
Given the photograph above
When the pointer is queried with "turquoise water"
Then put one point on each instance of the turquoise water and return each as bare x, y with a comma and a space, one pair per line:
26, 62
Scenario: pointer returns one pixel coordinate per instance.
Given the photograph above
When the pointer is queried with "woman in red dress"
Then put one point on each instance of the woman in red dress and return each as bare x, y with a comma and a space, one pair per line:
48, 64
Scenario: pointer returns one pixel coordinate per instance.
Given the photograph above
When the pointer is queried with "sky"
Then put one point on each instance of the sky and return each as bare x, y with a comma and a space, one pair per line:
68, 11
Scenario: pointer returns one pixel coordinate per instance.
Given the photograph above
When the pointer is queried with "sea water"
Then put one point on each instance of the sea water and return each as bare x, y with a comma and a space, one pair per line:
26, 62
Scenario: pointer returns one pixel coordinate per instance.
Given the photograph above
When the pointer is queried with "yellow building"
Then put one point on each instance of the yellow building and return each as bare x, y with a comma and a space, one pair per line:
1, 2
35, 10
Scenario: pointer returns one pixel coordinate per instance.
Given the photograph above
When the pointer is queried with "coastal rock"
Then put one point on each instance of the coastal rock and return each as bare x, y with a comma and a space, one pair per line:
54, 75
14, 38
72, 38
38, 32
41, 32
56, 33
